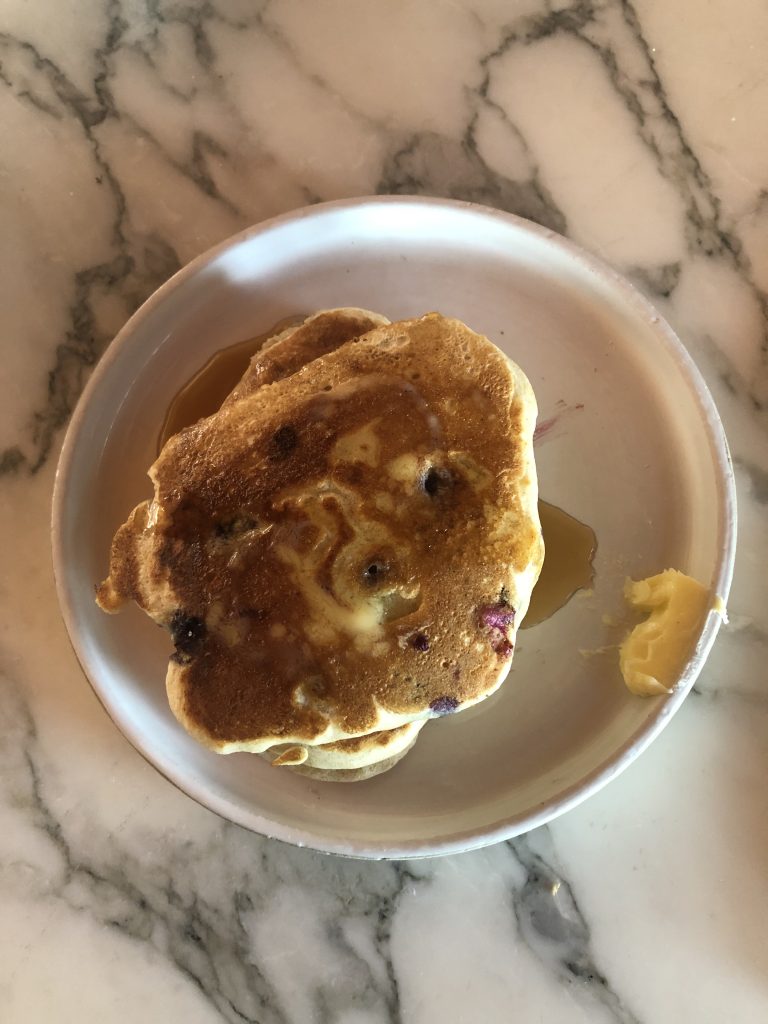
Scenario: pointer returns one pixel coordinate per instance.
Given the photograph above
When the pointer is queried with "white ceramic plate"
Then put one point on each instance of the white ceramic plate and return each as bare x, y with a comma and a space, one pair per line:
637, 452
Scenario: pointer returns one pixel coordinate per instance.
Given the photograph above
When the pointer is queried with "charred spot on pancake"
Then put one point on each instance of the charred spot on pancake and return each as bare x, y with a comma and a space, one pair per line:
436, 481
188, 633
283, 442
421, 642
443, 705
375, 571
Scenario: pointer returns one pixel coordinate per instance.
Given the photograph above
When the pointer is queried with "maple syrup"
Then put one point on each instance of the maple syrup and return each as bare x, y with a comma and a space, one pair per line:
569, 544
203, 394
569, 550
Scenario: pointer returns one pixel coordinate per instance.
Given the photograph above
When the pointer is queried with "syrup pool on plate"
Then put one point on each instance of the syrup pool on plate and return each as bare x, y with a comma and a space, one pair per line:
569, 549
203, 394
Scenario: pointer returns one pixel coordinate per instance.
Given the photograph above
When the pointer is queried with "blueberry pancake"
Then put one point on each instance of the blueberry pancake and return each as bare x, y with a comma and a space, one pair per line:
350, 760
347, 546
298, 345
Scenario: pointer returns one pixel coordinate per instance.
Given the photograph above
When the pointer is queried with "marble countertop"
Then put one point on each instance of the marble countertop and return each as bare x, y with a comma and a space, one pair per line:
138, 134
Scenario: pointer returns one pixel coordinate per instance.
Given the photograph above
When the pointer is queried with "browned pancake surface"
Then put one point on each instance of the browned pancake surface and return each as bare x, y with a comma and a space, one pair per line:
296, 346
343, 540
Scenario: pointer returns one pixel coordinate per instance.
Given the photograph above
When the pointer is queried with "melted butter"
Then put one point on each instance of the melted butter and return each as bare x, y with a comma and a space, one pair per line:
203, 394
384, 502
654, 654
338, 607
329, 612
360, 446
327, 617
476, 475
719, 608
569, 547
404, 468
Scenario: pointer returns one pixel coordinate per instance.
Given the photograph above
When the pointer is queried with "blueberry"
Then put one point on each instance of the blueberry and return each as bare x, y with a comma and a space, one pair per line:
188, 633
502, 646
498, 619
375, 571
435, 481
444, 705
420, 642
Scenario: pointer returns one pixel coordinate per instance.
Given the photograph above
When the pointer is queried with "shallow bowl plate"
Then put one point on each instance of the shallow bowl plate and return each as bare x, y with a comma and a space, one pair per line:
632, 445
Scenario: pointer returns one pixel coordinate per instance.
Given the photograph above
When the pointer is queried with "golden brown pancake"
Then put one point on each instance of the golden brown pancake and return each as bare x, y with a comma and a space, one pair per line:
360, 752
291, 348
296, 346
367, 771
346, 547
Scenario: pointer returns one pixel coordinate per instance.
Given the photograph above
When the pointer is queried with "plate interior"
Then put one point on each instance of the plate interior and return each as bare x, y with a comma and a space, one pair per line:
629, 452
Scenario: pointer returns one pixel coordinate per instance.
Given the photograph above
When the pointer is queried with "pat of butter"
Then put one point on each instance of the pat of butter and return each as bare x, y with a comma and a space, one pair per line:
655, 652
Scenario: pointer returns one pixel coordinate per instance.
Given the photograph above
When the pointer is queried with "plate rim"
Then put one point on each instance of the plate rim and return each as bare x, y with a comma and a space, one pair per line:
585, 786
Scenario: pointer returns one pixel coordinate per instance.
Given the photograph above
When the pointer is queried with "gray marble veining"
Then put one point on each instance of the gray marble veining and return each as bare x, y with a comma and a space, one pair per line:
136, 136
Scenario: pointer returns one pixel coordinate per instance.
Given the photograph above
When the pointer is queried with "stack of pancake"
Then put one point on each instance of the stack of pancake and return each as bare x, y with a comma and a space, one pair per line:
344, 550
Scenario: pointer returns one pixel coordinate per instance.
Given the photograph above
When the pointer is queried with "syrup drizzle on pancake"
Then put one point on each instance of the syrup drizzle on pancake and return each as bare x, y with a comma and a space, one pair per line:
336, 452
569, 544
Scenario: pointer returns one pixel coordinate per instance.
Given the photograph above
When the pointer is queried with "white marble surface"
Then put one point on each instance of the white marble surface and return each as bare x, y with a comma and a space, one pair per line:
136, 133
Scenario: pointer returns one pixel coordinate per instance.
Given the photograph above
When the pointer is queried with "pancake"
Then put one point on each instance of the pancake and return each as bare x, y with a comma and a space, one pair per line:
348, 755
367, 771
298, 345
348, 545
